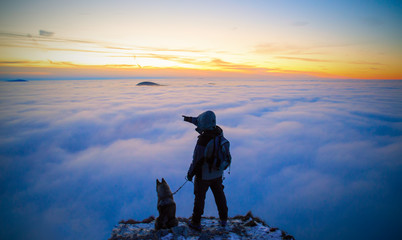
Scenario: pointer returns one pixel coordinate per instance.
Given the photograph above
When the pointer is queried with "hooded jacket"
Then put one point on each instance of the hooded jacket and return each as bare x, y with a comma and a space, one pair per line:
200, 167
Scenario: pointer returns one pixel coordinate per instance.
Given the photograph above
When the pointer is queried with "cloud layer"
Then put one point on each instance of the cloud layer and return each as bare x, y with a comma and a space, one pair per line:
319, 159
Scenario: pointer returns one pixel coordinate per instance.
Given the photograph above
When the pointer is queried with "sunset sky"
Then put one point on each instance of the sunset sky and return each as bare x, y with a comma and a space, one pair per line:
253, 39
316, 150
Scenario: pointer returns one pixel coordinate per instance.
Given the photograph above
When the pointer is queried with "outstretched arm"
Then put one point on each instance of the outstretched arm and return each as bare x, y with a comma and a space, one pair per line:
189, 119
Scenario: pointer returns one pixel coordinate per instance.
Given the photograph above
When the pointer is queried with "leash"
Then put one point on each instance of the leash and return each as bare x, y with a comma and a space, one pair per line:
180, 187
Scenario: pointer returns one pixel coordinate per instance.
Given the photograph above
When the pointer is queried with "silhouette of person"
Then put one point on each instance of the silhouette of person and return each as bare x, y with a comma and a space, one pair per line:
206, 176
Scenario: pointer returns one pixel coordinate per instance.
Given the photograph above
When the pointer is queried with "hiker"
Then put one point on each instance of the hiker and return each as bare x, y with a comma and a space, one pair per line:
206, 175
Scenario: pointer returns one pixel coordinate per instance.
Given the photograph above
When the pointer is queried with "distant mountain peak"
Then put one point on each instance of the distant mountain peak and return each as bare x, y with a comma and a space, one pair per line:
148, 84
17, 80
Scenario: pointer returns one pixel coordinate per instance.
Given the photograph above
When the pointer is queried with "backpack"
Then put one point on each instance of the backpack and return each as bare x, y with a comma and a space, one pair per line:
217, 152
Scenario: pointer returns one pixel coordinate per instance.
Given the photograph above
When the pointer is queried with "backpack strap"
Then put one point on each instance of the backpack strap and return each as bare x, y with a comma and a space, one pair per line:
217, 157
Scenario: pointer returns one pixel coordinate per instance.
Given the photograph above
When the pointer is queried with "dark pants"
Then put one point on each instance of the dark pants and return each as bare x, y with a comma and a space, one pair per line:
200, 190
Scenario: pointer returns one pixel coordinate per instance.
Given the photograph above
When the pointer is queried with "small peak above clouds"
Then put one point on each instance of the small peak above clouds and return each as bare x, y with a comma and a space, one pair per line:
45, 33
148, 84
17, 80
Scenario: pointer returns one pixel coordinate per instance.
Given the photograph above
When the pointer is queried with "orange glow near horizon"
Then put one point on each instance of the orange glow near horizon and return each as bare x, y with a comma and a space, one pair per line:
245, 41
133, 61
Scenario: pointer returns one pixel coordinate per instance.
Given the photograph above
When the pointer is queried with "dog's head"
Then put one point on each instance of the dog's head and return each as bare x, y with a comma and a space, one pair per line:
163, 189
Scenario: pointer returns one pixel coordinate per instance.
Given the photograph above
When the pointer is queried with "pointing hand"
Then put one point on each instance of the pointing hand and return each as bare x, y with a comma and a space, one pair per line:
187, 118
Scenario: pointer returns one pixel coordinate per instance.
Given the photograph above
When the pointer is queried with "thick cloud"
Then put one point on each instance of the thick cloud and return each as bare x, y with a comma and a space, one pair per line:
321, 160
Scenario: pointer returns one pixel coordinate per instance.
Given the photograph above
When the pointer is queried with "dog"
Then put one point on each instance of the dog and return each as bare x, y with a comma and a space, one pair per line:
166, 206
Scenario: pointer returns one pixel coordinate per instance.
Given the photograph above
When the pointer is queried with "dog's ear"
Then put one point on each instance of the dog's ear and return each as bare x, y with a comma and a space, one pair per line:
157, 182
163, 180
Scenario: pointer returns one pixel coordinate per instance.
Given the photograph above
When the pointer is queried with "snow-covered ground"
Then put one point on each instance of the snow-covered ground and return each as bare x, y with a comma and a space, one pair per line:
239, 227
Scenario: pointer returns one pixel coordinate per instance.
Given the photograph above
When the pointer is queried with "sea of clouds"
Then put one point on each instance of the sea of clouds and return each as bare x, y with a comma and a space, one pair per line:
318, 159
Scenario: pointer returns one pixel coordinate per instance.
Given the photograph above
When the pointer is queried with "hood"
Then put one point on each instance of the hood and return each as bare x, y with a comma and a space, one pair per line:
206, 121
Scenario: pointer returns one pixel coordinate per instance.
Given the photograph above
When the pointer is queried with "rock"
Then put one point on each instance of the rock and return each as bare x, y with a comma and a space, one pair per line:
161, 233
204, 236
250, 223
239, 227
288, 237
148, 220
180, 231
245, 217
132, 221
129, 221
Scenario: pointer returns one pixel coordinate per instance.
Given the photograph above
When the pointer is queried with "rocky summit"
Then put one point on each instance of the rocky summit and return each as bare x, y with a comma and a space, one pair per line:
239, 227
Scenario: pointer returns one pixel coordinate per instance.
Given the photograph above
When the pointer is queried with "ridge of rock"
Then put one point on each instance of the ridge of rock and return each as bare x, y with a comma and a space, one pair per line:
238, 227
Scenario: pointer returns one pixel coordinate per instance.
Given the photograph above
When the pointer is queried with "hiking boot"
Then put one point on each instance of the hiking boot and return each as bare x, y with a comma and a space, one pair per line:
195, 226
223, 223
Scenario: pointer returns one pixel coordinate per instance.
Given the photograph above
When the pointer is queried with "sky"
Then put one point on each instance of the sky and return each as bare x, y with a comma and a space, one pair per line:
317, 159
45, 39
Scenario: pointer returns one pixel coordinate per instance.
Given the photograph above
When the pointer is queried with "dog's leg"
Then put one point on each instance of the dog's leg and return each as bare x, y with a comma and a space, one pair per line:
157, 224
165, 218
173, 222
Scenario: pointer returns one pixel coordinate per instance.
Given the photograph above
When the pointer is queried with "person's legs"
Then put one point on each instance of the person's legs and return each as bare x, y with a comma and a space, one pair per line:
220, 199
200, 190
